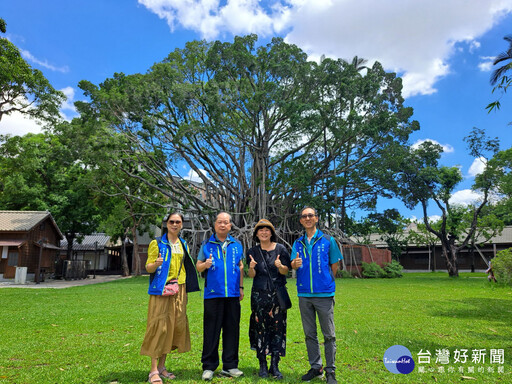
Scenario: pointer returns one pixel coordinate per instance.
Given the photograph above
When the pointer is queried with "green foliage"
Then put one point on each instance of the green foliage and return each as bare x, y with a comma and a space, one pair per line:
266, 130
393, 269
502, 267
499, 77
24, 89
47, 172
372, 270
344, 274
420, 179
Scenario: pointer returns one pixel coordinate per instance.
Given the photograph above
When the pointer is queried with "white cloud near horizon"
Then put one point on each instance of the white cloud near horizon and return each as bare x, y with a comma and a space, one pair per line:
415, 39
431, 219
447, 148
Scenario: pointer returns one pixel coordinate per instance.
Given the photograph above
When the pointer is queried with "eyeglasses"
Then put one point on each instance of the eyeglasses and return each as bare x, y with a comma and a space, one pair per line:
307, 216
172, 222
223, 222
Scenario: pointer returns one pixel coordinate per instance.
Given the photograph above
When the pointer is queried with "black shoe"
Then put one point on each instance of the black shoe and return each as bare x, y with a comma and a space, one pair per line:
263, 368
274, 367
312, 374
331, 378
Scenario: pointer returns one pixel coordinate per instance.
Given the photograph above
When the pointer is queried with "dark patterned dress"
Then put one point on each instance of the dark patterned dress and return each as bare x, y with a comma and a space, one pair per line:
267, 324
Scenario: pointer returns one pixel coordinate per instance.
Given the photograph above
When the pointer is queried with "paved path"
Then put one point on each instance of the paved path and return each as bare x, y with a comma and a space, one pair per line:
59, 284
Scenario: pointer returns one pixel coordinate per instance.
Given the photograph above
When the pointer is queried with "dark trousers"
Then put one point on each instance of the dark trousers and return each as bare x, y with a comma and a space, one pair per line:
221, 314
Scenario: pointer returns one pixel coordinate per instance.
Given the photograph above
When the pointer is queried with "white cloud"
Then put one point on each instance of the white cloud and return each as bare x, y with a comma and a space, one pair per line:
486, 64
16, 124
414, 38
68, 109
447, 148
431, 219
473, 46
28, 56
194, 176
434, 218
477, 167
465, 197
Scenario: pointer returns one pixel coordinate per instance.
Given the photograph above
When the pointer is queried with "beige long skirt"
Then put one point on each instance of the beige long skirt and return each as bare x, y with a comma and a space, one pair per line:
167, 327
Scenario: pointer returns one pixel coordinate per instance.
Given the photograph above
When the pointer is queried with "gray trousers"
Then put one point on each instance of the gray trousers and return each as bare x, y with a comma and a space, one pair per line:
324, 308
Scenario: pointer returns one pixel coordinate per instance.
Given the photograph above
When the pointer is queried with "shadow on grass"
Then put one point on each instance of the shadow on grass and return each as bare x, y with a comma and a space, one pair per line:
494, 310
190, 375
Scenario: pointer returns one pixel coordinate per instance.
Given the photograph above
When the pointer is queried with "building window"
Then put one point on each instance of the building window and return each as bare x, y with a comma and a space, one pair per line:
12, 259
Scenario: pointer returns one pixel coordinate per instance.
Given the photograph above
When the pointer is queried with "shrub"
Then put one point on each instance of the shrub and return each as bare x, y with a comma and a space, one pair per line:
343, 273
502, 266
393, 269
372, 270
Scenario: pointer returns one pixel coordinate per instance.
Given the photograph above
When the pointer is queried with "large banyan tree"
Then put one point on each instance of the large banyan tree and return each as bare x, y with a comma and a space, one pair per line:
263, 130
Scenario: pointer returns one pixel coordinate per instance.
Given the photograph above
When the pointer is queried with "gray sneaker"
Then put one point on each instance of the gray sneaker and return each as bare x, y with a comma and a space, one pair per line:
233, 372
207, 375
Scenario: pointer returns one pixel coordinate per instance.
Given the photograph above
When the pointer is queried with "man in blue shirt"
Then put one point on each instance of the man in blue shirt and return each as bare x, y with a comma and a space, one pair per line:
315, 258
220, 257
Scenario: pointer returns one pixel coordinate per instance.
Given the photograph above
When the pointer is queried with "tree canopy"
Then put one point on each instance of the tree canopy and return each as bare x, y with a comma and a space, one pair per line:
24, 89
263, 130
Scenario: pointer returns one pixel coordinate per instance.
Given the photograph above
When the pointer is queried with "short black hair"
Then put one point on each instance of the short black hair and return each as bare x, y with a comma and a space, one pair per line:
308, 207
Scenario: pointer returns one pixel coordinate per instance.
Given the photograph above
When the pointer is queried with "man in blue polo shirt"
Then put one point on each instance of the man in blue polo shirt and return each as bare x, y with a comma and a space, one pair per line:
315, 258
220, 257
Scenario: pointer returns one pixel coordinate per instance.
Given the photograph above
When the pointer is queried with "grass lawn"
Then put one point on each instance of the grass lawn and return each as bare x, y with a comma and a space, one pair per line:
93, 333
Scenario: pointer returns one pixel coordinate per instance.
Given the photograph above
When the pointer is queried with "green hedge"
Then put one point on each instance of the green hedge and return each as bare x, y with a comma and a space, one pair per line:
502, 267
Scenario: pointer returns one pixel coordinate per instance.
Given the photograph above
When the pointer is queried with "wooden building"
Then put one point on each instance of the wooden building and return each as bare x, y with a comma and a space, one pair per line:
93, 250
429, 257
28, 239
355, 254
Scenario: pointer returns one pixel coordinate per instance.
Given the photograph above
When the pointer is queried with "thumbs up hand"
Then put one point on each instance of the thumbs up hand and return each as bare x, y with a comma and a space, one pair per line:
297, 262
209, 262
159, 260
252, 263
278, 263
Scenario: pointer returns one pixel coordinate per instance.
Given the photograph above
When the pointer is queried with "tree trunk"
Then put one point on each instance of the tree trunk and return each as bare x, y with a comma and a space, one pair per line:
450, 255
135, 253
126, 269
69, 237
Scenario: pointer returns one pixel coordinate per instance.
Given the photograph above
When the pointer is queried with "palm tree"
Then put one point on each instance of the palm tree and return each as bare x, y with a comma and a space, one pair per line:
503, 56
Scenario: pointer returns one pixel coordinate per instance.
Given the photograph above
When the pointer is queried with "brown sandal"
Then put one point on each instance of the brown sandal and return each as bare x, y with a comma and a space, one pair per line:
168, 375
152, 379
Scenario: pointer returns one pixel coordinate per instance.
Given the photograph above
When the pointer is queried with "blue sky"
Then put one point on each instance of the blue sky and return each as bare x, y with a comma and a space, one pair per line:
443, 50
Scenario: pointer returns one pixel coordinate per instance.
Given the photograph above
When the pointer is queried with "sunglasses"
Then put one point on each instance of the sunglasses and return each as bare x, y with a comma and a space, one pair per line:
308, 216
172, 222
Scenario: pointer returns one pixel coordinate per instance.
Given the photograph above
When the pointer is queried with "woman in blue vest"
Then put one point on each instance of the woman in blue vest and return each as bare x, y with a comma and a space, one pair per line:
167, 326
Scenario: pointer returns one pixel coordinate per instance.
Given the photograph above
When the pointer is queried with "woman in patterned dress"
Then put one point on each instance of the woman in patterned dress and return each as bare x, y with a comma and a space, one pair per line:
269, 263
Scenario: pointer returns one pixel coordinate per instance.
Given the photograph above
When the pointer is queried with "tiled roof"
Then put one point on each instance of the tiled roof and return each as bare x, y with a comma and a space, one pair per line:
88, 243
20, 221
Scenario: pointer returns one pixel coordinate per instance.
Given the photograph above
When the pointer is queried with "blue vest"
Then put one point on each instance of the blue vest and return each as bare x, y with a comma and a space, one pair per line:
315, 275
222, 279
158, 279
